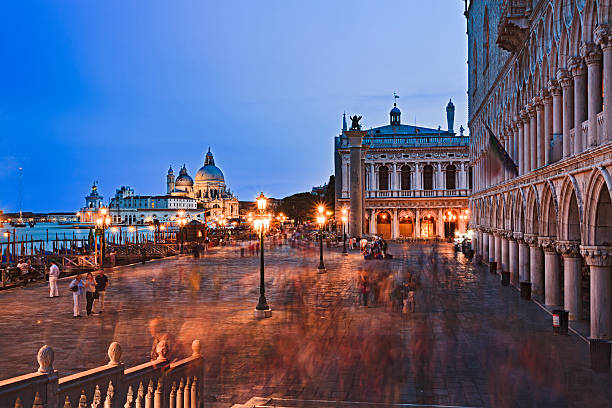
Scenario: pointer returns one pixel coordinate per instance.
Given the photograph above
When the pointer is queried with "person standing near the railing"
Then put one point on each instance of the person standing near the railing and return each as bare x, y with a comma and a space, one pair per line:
77, 287
90, 291
101, 285
54, 274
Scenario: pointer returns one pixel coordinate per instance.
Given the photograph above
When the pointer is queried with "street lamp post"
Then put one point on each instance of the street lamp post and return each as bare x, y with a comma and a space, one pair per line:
181, 222
103, 221
344, 220
8, 234
321, 222
261, 223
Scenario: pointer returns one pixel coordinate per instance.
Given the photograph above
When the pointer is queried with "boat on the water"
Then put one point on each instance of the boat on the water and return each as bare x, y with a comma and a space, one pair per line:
18, 223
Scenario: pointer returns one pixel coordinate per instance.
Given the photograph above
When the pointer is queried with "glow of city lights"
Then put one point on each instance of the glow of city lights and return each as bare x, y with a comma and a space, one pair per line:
131, 229
103, 211
114, 230
262, 202
163, 228
321, 209
261, 223
99, 221
321, 220
7, 234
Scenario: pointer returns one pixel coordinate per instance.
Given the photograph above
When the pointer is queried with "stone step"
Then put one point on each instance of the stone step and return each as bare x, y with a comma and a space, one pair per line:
258, 402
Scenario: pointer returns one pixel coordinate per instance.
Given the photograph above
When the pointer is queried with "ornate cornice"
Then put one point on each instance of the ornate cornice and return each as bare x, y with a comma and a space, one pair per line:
569, 249
597, 255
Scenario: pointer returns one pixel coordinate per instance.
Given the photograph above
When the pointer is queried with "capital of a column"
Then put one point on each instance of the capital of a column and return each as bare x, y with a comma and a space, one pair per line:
548, 244
509, 235
591, 53
603, 36
600, 255
531, 240
537, 103
569, 249
577, 66
564, 78
530, 108
518, 237
554, 87
524, 116
516, 122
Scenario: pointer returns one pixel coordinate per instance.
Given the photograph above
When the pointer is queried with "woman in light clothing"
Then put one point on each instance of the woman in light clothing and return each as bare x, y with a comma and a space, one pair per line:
54, 274
77, 287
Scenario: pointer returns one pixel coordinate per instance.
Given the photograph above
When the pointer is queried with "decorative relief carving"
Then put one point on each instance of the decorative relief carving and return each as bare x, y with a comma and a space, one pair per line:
548, 244
568, 249
531, 240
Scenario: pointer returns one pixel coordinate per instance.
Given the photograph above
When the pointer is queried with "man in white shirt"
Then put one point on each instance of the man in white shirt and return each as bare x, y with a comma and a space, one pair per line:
54, 273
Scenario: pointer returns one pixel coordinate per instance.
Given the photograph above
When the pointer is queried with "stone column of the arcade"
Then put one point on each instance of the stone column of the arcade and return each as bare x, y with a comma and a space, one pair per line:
355, 139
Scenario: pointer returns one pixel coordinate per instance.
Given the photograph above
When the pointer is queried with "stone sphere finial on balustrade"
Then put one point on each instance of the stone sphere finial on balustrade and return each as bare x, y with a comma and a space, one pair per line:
162, 350
196, 346
114, 353
45, 359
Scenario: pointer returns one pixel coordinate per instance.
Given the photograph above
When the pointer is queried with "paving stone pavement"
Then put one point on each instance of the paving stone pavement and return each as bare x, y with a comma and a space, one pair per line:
471, 342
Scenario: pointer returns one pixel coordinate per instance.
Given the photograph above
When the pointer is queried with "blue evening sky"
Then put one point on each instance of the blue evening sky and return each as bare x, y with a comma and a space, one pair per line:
116, 91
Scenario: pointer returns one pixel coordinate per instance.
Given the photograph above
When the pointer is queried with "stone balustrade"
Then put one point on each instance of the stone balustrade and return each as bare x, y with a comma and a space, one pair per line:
155, 384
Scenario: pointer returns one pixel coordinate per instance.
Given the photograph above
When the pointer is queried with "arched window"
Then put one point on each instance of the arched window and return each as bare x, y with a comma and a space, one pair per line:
428, 177
451, 172
383, 178
405, 181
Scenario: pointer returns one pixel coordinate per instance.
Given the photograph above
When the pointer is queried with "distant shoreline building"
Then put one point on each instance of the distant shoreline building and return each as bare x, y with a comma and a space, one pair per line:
411, 182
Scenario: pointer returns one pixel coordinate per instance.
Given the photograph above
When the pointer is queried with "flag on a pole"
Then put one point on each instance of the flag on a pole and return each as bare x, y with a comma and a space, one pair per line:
500, 153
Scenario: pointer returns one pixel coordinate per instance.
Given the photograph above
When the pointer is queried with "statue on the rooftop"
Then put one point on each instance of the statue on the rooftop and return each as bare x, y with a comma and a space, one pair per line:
355, 122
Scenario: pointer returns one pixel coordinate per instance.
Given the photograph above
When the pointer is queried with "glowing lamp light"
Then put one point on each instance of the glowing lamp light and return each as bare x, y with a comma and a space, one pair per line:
344, 218
103, 211
114, 230
262, 202
131, 229
7, 234
321, 220
163, 228
321, 209
99, 221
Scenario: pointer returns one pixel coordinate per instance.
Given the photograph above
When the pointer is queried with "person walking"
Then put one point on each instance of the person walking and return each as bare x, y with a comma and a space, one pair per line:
54, 274
101, 285
77, 287
90, 292
365, 290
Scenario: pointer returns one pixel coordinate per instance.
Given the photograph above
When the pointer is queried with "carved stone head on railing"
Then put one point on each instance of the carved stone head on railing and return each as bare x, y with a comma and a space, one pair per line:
114, 353
162, 350
45, 359
196, 346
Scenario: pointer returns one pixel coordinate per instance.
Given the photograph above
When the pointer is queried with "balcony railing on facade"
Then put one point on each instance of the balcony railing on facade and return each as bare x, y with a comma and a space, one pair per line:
415, 141
412, 193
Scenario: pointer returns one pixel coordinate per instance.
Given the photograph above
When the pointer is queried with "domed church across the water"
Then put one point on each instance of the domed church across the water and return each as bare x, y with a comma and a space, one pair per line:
208, 189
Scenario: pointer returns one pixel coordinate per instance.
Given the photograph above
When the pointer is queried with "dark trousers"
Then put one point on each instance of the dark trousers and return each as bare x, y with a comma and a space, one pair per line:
365, 298
90, 298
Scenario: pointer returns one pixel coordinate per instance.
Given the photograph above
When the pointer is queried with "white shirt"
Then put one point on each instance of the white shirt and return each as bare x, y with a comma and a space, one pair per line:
54, 271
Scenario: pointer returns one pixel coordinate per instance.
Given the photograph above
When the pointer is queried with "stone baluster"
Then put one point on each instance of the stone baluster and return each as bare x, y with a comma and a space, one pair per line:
129, 398
110, 395
179, 394
140, 396
536, 264
37, 401
149, 396
572, 278
173, 395
67, 403
194, 393
567, 85
552, 272
83, 400
603, 36
186, 393
580, 106
599, 259
97, 397
592, 56
157, 399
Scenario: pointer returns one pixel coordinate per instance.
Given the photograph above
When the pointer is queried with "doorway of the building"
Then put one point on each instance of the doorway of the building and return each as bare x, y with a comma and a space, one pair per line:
383, 225
428, 229
406, 227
